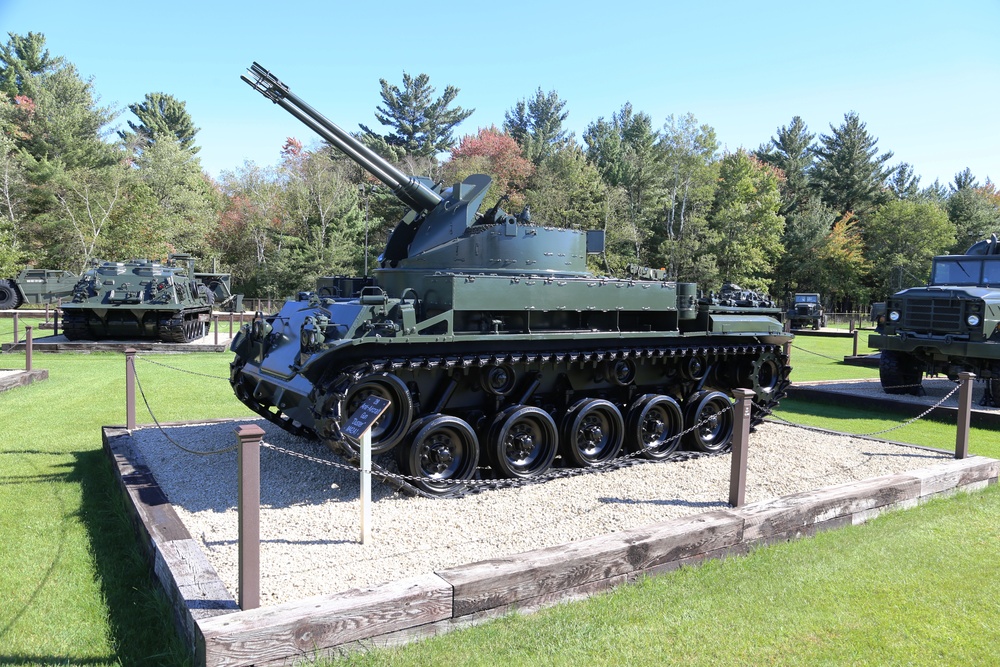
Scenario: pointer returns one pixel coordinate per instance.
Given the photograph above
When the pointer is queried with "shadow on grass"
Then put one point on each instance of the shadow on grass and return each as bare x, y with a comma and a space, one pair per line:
139, 616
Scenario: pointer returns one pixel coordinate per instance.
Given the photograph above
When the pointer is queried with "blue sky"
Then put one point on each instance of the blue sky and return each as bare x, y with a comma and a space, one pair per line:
922, 75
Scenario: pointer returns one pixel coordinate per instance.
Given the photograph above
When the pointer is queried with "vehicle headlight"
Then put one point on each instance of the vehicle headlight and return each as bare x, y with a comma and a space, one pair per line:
894, 315
973, 320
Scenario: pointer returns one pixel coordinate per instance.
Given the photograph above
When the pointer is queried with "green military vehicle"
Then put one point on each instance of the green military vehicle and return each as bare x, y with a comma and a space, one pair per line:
499, 353
139, 299
947, 327
36, 286
806, 311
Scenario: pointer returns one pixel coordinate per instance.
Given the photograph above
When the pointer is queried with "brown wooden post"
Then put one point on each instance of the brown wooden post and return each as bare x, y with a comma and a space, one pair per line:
248, 509
231, 314
964, 414
130, 388
741, 445
55, 321
215, 318
27, 348
850, 327
857, 333
46, 313
15, 329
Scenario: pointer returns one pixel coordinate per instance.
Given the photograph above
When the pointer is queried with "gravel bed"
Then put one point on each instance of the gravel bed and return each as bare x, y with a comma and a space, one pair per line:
310, 511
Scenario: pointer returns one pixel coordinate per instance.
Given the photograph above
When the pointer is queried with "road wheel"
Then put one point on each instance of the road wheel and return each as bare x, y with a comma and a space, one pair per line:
709, 416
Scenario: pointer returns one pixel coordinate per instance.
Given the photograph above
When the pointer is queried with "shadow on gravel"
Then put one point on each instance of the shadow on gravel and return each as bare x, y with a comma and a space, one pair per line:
665, 502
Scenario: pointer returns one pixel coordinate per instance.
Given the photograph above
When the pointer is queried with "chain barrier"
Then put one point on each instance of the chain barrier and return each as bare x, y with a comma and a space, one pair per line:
181, 370
619, 462
167, 436
825, 356
873, 433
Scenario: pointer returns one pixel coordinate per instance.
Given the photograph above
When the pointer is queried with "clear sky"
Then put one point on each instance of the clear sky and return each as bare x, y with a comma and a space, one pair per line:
924, 76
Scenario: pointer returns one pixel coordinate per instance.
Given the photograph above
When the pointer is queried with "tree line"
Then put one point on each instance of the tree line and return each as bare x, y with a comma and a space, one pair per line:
802, 212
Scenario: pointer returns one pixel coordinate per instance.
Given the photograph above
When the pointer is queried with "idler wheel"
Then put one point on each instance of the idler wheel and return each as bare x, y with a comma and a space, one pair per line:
710, 416
522, 441
440, 448
593, 432
394, 423
653, 426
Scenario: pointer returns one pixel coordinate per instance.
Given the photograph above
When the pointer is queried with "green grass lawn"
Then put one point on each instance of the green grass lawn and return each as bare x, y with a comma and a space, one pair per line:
910, 588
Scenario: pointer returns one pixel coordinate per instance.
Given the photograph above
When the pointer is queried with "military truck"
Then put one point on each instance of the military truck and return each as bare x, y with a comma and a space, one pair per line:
949, 326
36, 286
806, 311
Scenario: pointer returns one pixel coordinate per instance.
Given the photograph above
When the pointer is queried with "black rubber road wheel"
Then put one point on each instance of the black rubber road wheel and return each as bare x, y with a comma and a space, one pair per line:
653, 426
709, 415
522, 441
440, 450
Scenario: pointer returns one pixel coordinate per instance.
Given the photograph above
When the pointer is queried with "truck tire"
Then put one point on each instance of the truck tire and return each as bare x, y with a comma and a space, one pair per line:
10, 298
900, 373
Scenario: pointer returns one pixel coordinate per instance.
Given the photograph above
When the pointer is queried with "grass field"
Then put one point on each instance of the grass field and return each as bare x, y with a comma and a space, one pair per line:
909, 588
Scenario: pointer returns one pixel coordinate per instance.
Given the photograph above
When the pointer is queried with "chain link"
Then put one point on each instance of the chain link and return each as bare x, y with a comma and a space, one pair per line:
886, 430
825, 356
619, 462
167, 436
181, 370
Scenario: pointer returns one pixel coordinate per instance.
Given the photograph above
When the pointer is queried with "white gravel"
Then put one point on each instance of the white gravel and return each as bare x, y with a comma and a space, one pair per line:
310, 512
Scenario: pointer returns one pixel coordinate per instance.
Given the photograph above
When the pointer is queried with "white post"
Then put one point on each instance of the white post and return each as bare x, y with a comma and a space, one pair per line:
366, 486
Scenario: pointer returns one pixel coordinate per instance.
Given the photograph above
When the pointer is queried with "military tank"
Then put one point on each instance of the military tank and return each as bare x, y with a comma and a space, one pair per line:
500, 354
139, 299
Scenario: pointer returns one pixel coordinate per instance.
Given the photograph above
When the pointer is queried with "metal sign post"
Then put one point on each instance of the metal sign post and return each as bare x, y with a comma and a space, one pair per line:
359, 429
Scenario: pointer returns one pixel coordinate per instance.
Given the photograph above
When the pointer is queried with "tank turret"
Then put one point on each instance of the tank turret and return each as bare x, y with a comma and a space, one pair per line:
500, 354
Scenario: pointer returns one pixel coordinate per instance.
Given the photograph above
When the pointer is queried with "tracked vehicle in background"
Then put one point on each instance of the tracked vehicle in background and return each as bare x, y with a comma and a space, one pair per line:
950, 326
139, 299
499, 352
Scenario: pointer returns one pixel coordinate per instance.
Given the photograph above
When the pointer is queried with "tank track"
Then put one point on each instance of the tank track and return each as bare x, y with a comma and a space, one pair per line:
190, 329
74, 325
327, 397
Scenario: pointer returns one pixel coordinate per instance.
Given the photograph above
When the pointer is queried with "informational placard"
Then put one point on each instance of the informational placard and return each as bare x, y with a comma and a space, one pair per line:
366, 415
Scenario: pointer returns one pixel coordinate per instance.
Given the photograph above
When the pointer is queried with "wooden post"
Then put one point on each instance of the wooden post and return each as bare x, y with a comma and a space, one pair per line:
130, 388
55, 321
248, 509
964, 414
857, 333
15, 329
46, 313
741, 442
27, 348
231, 314
215, 318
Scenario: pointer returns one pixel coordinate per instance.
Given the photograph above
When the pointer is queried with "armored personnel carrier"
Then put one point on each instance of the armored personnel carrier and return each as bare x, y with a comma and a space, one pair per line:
947, 327
139, 299
499, 352
36, 286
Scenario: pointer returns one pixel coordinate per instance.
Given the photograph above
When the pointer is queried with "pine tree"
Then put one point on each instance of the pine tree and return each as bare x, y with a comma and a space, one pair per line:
421, 124
537, 125
791, 151
849, 174
161, 116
